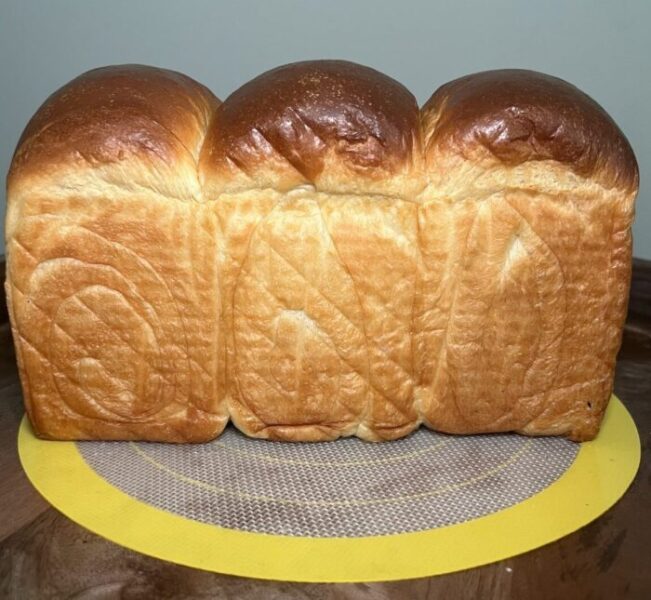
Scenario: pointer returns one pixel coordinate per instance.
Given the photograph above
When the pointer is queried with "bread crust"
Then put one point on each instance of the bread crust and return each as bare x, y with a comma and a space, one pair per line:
316, 257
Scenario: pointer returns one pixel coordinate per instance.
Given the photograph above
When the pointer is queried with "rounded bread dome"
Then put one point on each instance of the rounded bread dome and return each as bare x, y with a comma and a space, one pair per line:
519, 115
335, 125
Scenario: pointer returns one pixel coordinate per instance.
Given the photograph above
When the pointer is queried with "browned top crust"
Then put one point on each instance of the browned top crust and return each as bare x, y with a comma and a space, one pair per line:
113, 113
310, 113
333, 124
521, 115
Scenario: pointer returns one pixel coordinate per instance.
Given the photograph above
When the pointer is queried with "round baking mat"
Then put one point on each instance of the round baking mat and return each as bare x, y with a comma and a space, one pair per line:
337, 511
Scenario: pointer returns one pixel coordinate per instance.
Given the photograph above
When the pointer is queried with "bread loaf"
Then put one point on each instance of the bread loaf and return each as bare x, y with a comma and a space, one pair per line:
316, 257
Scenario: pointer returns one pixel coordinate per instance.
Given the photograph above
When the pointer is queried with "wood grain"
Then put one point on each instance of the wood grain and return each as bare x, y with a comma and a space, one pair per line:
45, 555
19, 502
4, 315
640, 300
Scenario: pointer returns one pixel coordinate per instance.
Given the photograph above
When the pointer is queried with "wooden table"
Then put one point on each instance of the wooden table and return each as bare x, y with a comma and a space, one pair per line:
45, 555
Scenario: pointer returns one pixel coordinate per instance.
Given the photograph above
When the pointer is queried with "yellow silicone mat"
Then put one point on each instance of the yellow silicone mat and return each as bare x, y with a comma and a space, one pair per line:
340, 511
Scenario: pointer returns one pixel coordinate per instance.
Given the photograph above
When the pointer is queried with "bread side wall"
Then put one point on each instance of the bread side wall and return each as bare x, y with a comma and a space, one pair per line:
312, 316
115, 310
519, 322
319, 291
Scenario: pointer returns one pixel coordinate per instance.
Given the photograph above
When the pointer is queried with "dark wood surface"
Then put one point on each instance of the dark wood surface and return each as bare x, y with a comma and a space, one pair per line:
45, 555
640, 301
4, 316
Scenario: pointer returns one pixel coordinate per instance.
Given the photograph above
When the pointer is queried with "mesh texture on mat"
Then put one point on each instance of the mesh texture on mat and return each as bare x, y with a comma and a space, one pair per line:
345, 488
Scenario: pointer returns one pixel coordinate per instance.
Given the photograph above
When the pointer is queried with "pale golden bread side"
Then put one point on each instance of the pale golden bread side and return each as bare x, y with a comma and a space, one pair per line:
316, 258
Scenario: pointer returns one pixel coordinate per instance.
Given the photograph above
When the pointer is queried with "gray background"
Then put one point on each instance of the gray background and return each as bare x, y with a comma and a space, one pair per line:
603, 47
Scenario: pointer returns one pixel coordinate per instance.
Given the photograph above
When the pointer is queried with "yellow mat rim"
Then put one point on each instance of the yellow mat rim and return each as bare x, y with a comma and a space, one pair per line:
599, 476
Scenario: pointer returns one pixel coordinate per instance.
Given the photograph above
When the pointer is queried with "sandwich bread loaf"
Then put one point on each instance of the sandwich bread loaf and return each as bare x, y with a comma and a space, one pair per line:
316, 257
